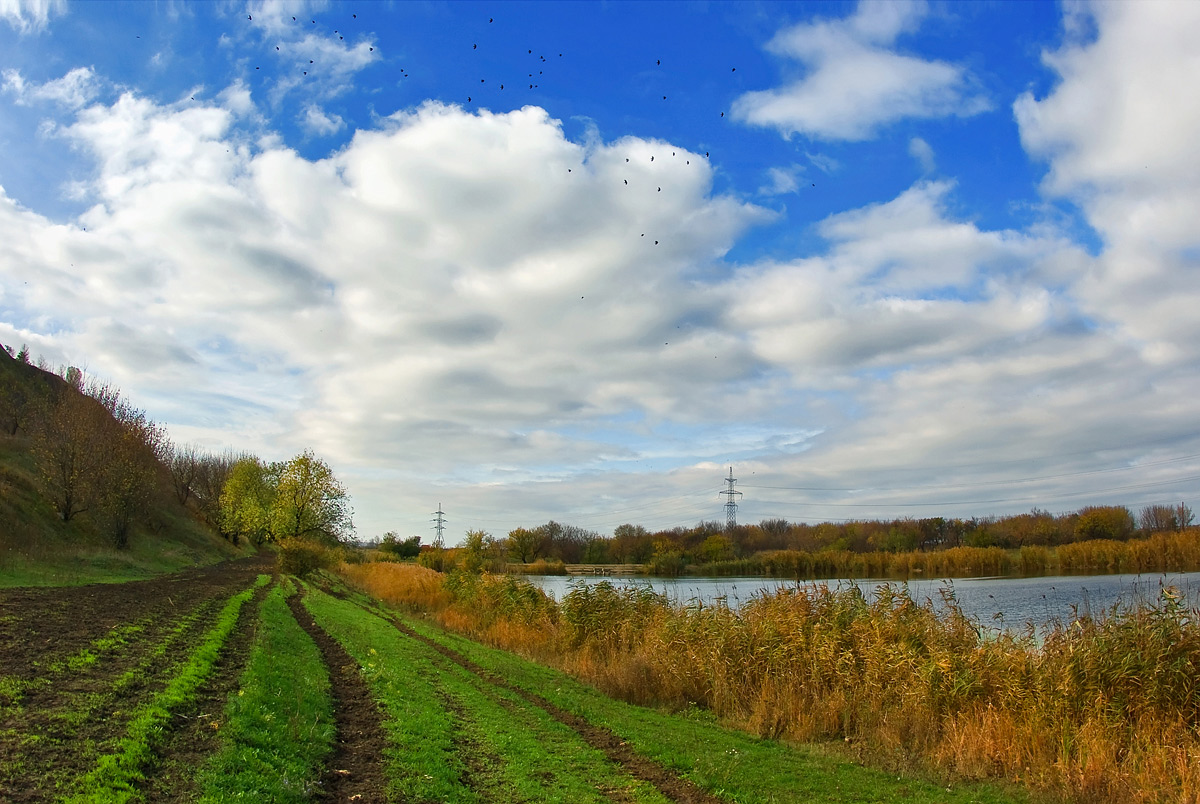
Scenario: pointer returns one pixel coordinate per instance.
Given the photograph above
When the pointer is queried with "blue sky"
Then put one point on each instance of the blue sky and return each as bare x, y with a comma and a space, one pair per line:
884, 259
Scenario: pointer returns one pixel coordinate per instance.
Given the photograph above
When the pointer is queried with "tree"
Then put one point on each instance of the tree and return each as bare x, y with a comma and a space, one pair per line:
134, 452
247, 500
184, 464
212, 472
1154, 518
482, 550
69, 449
524, 544
1104, 522
1183, 515
311, 503
401, 548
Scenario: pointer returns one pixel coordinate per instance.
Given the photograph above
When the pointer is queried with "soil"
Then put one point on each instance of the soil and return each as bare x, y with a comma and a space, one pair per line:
53, 732
355, 772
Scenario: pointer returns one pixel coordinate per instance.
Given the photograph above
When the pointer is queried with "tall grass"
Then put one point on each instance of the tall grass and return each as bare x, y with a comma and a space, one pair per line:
1103, 709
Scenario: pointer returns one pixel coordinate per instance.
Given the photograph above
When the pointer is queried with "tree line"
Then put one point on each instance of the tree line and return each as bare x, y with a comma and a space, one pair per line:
670, 551
99, 458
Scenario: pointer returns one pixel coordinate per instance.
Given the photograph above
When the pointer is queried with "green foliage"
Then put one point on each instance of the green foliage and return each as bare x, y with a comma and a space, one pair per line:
248, 499
301, 557
310, 502
393, 545
524, 545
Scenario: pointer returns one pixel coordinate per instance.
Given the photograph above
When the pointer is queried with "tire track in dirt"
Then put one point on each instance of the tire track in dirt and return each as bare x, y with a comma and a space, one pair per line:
356, 771
617, 750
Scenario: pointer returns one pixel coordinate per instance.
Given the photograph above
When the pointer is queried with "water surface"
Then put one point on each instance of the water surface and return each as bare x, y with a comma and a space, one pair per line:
999, 602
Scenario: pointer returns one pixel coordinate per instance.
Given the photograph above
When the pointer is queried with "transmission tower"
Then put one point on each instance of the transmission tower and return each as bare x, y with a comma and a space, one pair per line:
731, 501
439, 521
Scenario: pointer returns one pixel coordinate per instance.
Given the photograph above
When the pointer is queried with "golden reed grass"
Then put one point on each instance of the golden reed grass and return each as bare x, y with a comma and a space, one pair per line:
1098, 710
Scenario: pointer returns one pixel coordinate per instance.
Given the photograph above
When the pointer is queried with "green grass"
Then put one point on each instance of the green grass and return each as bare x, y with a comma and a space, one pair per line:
454, 734
423, 763
729, 763
116, 774
278, 728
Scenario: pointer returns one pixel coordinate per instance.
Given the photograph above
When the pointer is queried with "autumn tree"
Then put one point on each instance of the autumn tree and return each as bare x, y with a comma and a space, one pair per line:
247, 501
68, 445
311, 503
184, 464
212, 473
524, 545
1104, 522
135, 449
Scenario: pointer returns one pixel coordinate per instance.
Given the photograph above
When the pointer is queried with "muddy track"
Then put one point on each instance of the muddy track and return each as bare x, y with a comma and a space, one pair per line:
617, 750
356, 770
196, 730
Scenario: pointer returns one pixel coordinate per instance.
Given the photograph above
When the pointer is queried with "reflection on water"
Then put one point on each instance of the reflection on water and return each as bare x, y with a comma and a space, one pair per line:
999, 602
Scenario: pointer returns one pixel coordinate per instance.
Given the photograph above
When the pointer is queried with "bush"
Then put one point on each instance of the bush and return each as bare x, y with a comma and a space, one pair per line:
300, 557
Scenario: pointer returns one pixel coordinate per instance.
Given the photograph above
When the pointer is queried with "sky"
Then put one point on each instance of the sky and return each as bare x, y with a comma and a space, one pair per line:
580, 261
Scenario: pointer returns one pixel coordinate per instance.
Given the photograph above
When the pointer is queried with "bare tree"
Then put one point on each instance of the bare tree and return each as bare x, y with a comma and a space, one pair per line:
185, 466
69, 449
1155, 518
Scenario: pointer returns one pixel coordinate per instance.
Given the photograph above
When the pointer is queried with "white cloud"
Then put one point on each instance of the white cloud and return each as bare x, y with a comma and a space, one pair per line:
448, 285
75, 89
921, 151
317, 122
901, 283
1119, 134
781, 181
29, 16
855, 81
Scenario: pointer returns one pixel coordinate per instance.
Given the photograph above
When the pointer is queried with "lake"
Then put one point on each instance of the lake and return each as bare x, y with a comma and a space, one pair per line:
998, 602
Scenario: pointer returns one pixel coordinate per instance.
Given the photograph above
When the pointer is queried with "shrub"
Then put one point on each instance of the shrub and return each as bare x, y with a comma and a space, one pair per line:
301, 557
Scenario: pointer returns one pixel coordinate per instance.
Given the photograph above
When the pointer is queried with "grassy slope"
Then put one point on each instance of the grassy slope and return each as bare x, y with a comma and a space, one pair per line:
39, 549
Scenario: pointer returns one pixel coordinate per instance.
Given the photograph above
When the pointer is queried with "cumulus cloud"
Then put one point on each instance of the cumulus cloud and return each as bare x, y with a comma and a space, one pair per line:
900, 283
1118, 133
29, 16
448, 284
855, 80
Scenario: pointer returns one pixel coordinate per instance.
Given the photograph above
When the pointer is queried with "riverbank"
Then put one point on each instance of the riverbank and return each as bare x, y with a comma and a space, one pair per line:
1100, 709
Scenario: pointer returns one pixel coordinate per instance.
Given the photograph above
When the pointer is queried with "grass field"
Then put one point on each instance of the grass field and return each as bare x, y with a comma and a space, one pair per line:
224, 685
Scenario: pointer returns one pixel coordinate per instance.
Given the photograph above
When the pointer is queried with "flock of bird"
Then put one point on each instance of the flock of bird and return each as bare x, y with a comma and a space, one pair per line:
533, 82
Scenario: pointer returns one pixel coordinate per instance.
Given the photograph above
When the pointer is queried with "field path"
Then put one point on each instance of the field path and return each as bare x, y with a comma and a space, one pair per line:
355, 771
674, 787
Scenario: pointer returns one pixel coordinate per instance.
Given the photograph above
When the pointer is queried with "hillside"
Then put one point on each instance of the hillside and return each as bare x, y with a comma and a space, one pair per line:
123, 523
